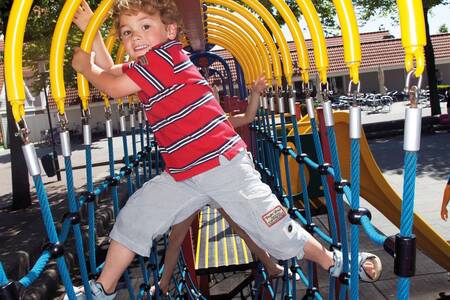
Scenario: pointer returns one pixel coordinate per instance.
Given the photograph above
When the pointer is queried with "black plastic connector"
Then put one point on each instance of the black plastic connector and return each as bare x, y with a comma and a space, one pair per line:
276, 145
292, 211
310, 293
136, 163
323, 168
310, 228
300, 158
405, 256
335, 247
389, 245
112, 181
288, 297
56, 250
148, 149
344, 278
285, 150
74, 217
355, 215
152, 267
144, 287
126, 170
9, 291
339, 186
89, 196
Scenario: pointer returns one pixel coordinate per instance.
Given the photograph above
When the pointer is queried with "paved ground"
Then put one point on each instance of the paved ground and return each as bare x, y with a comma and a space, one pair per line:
21, 230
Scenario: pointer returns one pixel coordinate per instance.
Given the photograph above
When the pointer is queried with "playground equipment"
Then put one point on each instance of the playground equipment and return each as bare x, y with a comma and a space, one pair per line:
279, 162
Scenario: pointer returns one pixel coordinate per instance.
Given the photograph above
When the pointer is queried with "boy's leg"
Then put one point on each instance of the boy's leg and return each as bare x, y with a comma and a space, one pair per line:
272, 268
176, 238
117, 260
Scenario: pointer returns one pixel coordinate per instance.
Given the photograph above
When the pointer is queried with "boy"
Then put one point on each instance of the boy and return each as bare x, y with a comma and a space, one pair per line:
205, 158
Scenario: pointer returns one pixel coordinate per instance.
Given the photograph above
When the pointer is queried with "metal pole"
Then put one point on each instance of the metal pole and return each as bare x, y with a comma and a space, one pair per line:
55, 154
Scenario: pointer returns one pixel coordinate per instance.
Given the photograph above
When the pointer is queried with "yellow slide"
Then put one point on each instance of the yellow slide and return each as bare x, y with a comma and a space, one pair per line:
377, 191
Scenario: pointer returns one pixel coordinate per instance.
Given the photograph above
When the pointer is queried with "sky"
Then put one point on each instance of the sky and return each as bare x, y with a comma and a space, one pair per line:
439, 15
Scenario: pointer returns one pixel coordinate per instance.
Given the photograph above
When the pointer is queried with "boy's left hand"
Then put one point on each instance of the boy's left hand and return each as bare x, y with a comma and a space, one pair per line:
259, 85
81, 60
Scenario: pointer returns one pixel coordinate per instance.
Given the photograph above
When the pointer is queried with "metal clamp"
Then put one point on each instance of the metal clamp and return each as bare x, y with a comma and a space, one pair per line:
23, 131
412, 90
62, 120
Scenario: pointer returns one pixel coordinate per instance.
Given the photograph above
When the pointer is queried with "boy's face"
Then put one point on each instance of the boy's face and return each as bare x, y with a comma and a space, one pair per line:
140, 32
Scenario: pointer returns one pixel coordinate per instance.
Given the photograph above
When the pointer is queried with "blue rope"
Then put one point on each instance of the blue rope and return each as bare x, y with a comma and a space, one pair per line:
323, 178
114, 192
144, 162
52, 236
3, 278
136, 169
127, 162
36, 271
340, 205
407, 216
354, 229
76, 227
91, 210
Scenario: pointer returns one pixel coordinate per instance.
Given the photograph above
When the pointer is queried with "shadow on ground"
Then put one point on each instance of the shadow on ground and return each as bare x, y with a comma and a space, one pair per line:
433, 158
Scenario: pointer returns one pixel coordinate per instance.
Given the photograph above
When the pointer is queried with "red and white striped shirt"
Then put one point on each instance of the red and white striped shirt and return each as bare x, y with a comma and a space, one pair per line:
189, 125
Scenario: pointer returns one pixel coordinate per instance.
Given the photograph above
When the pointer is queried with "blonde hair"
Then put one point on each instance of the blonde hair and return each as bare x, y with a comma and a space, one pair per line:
167, 9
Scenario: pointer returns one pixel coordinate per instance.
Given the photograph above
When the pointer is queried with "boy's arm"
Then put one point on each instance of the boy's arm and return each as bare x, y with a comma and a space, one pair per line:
253, 104
81, 18
445, 201
113, 82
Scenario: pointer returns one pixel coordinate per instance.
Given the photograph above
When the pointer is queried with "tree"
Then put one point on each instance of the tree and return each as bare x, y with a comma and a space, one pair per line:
443, 29
369, 8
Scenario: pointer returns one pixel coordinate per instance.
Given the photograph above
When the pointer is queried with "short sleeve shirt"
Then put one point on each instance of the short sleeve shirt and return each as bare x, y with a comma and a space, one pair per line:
189, 125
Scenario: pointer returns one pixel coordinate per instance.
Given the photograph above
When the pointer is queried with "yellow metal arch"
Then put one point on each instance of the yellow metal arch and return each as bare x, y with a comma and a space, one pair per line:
281, 41
412, 25
109, 44
57, 50
216, 23
262, 30
234, 50
299, 40
350, 36
253, 71
250, 31
15, 32
318, 38
86, 44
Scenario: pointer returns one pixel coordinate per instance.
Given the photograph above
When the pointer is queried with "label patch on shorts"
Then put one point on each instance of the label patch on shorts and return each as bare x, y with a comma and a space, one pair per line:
274, 215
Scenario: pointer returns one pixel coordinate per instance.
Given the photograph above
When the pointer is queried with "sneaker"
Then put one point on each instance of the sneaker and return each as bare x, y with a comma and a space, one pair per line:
97, 291
363, 257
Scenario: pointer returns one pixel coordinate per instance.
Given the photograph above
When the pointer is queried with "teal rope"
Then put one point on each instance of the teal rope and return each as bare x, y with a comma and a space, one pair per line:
127, 161
76, 227
91, 211
354, 229
3, 278
135, 157
407, 216
114, 192
52, 236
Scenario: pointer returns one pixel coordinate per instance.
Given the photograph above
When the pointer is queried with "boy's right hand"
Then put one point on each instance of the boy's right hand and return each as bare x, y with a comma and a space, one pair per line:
82, 16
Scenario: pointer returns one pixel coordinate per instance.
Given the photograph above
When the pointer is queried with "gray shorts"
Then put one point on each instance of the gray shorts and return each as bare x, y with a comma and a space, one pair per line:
235, 186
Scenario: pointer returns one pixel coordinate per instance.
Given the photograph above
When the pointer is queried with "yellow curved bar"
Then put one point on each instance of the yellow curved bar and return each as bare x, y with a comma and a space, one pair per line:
234, 50
57, 50
261, 29
275, 28
240, 35
109, 44
318, 38
231, 40
120, 56
250, 31
412, 25
15, 32
299, 40
350, 35
86, 45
